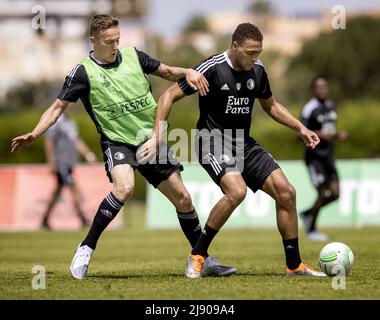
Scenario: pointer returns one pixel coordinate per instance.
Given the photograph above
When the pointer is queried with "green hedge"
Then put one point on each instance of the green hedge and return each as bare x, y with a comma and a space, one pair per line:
359, 118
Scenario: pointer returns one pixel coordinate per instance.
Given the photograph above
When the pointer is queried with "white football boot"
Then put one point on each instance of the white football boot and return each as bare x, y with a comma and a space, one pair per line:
317, 236
81, 260
194, 266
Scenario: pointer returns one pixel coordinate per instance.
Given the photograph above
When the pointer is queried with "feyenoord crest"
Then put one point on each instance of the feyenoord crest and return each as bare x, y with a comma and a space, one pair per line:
238, 86
119, 155
224, 158
250, 84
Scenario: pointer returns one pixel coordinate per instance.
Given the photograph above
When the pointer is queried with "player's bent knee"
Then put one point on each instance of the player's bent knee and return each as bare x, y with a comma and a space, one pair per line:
184, 201
287, 195
123, 193
237, 195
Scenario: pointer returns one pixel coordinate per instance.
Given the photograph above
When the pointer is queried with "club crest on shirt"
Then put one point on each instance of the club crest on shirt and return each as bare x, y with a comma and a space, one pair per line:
104, 81
224, 158
250, 84
119, 156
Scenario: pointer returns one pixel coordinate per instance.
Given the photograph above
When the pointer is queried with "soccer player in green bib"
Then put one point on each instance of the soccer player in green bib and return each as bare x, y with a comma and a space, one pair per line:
113, 87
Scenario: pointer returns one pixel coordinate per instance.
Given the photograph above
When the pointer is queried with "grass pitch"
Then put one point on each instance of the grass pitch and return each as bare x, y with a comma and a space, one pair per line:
134, 263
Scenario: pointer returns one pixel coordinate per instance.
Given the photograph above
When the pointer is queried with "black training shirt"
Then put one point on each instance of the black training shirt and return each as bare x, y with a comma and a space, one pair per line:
229, 102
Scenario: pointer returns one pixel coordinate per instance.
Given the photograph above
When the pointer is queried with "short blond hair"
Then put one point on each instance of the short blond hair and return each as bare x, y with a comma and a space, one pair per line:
101, 22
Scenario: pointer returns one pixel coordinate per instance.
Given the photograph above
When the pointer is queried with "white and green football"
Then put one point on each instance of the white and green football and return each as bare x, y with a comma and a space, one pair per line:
336, 258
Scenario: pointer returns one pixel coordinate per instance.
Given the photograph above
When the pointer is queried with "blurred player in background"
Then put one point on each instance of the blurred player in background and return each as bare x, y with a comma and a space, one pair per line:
232, 158
116, 93
62, 144
320, 115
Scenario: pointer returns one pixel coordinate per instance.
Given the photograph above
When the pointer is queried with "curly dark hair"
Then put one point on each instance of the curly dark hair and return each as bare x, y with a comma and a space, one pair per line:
101, 22
246, 31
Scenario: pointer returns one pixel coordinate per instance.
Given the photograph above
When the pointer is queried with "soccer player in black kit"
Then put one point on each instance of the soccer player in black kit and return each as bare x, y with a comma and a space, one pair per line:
320, 115
232, 158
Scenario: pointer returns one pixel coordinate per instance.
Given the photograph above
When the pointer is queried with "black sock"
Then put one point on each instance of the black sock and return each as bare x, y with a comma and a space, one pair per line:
307, 212
312, 225
292, 253
108, 210
204, 241
190, 226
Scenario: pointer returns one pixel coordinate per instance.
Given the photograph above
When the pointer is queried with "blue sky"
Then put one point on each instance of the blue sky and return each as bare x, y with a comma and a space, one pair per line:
167, 17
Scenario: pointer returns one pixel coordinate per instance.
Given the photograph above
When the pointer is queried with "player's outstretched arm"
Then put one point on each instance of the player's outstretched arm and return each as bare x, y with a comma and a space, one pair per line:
195, 79
85, 151
48, 118
281, 114
164, 106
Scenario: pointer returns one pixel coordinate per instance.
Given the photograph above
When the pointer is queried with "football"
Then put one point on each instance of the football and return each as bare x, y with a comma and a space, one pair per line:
336, 258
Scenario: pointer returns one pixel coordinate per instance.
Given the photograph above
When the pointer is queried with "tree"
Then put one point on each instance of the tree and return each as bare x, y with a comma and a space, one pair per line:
196, 24
347, 57
261, 8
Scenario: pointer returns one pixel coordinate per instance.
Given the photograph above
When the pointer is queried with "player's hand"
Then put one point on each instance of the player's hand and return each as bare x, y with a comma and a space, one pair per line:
197, 81
90, 157
147, 151
309, 137
342, 135
21, 142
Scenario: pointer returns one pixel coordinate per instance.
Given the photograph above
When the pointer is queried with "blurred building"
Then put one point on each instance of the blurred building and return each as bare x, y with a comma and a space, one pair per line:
30, 53
47, 54
281, 33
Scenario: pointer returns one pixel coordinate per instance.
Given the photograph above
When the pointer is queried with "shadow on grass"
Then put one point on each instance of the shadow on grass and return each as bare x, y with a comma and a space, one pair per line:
135, 276
178, 276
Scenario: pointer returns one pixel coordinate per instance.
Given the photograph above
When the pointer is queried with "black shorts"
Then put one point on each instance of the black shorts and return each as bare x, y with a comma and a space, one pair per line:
115, 153
322, 171
218, 158
65, 176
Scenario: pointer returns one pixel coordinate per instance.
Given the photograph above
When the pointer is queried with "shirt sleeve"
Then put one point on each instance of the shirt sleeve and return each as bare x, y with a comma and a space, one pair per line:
264, 91
148, 64
311, 121
76, 84
185, 86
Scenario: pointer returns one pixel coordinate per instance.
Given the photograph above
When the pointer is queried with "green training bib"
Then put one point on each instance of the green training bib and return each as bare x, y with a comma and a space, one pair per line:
121, 99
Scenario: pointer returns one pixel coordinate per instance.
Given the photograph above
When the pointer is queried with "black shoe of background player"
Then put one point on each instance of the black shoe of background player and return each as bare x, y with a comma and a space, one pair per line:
307, 220
45, 225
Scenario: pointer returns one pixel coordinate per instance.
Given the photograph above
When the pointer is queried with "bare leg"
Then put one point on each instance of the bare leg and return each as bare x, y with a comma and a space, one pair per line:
326, 195
123, 182
284, 194
52, 202
174, 189
76, 200
234, 189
